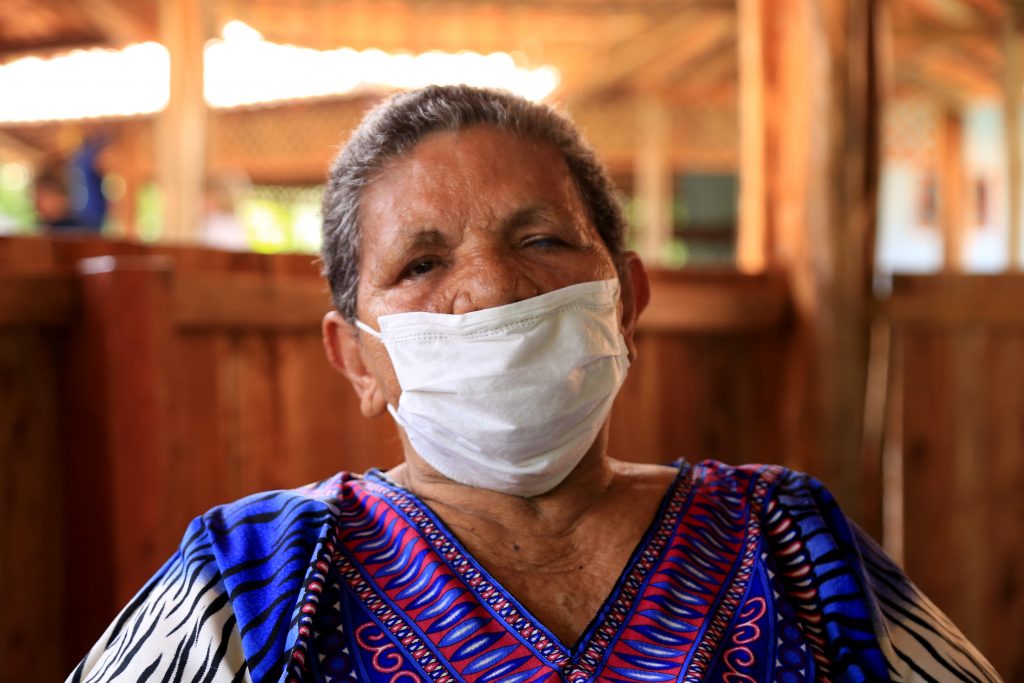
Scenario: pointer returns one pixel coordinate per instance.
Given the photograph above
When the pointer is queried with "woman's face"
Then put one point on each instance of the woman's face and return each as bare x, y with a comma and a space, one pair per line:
467, 221
472, 220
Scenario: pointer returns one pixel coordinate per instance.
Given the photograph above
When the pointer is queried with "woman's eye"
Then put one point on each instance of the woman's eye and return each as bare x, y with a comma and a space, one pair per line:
419, 268
544, 242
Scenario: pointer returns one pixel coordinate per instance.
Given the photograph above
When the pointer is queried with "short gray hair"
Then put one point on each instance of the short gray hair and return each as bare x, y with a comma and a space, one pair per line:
393, 128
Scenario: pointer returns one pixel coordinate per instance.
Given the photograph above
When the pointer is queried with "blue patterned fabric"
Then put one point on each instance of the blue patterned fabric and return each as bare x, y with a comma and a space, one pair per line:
746, 574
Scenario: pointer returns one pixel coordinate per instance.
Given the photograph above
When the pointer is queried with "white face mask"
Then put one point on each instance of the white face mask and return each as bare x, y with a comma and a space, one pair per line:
509, 398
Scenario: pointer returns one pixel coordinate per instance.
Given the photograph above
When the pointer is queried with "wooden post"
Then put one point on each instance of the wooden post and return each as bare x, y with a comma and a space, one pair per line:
654, 179
117, 411
1013, 82
127, 152
751, 240
814, 175
952, 216
181, 128
893, 475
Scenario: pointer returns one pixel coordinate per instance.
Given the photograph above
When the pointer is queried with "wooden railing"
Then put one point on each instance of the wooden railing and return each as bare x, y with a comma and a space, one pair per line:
953, 462
143, 385
139, 386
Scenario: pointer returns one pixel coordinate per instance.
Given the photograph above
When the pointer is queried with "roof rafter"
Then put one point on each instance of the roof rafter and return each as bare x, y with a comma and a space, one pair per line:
659, 38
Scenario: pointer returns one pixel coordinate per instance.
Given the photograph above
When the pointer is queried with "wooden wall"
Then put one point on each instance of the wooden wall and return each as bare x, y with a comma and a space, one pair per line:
141, 385
957, 505
138, 391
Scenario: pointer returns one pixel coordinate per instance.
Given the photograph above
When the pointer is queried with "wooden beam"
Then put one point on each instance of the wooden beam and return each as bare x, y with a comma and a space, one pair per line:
120, 360
714, 34
953, 12
955, 301
949, 97
128, 156
20, 147
32, 300
809, 73
653, 174
629, 56
718, 67
963, 74
1012, 84
716, 303
219, 300
181, 127
752, 238
952, 191
120, 25
588, 6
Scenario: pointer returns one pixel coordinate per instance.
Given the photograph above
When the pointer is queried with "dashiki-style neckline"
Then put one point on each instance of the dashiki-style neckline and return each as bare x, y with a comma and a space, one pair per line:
439, 611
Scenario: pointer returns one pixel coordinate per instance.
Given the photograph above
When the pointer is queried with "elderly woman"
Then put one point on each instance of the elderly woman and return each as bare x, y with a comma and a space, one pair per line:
484, 298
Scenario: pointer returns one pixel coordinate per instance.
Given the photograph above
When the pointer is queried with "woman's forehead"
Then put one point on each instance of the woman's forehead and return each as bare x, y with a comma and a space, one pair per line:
478, 148
464, 175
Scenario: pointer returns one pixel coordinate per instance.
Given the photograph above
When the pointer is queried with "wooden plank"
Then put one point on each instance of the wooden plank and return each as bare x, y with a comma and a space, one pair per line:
697, 397
260, 458
128, 299
1012, 89
928, 436
968, 493
956, 301
32, 484
26, 254
220, 300
876, 408
710, 303
893, 468
320, 419
952, 182
88, 529
636, 421
1003, 546
37, 300
200, 435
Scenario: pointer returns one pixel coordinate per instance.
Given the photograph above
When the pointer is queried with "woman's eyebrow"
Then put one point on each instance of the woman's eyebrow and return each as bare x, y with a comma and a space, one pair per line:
532, 214
418, 240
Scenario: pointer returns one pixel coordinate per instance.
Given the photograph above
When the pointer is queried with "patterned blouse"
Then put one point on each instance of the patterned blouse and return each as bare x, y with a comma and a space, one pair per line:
746, 574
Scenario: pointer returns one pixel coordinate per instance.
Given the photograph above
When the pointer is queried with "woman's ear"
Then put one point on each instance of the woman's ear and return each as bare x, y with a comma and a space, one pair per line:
635, 295
345, 354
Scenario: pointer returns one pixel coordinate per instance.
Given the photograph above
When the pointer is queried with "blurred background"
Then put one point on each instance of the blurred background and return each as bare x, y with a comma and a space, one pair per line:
827, 192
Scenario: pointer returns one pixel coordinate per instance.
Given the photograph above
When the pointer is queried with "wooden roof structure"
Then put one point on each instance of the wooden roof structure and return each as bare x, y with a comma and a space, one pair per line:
680, 50
802, 80
43, 27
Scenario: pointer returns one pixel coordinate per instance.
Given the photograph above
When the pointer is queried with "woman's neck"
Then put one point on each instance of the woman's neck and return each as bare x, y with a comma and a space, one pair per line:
555, 514
559, 554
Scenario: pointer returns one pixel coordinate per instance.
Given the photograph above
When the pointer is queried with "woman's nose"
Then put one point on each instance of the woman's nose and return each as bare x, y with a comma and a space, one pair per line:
490, 280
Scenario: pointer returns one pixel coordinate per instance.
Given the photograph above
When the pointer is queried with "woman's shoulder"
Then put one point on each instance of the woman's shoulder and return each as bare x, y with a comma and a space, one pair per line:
239, 575
751, 479
271, 524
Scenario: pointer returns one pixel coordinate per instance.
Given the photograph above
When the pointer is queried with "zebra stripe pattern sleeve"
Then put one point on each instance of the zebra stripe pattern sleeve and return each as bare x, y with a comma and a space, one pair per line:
920, 642
224, 607
180, 626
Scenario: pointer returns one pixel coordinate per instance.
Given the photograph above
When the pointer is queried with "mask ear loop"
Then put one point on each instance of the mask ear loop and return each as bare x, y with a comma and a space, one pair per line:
369, 330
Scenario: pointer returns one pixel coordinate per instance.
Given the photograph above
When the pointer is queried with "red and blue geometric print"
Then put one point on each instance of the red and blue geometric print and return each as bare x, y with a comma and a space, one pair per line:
746, 574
